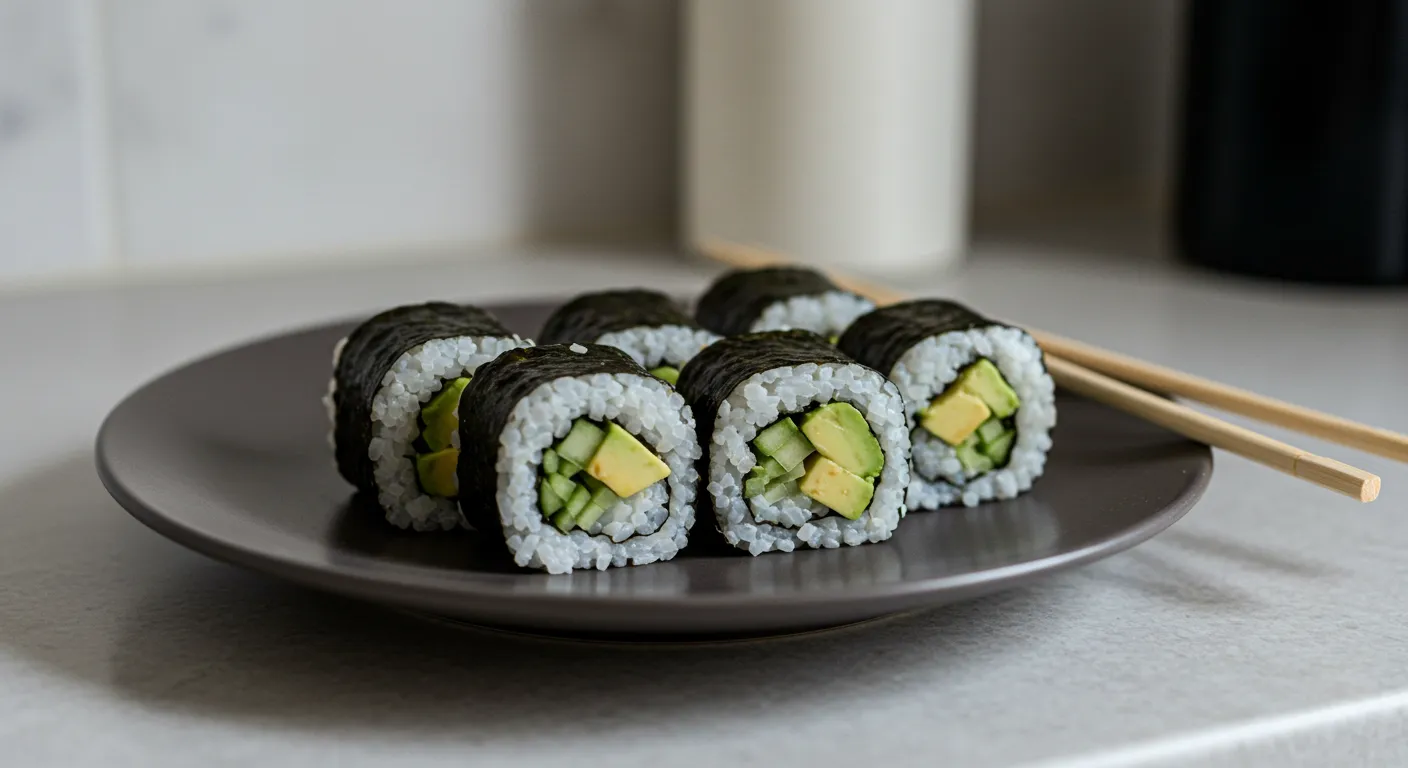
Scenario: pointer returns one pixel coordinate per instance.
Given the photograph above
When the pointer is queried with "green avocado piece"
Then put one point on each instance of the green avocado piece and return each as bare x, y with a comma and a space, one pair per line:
581, 442
778, 434
1000, 449
779, 491
669, 374
437, 472
551, 462
840, 433
548, 500
984, 380
970, 455
991, 430
590, 514
624, 464
829, 484
441, 415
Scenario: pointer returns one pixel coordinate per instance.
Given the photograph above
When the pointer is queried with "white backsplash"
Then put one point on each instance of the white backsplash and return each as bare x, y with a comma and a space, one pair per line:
245, 129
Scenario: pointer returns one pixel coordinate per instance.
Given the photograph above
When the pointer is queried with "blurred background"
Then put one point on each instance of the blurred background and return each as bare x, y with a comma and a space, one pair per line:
149, 136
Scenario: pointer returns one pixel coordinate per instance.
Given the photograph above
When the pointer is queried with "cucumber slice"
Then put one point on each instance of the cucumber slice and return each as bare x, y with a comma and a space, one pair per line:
590, 514
794, 452
602, 495
564, 521
666, 373
972, 459
779, 491
991, 430
548, 500
755, 485
797, 471
1000, 450
550, 462
581, 442
561, 486
580, 498
772, 439
567, 468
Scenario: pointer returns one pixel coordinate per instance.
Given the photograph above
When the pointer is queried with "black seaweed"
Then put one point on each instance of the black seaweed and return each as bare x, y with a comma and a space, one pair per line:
712, 375
591, 315
734, 301
372, 348
881, 337
496, 389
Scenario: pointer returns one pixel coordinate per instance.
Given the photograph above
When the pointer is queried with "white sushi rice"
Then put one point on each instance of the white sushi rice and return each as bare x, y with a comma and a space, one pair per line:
653, 346
649, 526
929, 367
829, 313
410, 383
762, 399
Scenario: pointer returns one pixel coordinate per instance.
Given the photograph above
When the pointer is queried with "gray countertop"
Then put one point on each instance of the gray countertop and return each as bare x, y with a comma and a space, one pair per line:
1266, 628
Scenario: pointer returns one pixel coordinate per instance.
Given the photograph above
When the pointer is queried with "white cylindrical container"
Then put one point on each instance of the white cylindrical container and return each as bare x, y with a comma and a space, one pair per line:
833, 130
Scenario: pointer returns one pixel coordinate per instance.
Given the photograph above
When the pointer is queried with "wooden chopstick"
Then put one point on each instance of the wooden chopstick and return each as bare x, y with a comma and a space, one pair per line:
1327, 473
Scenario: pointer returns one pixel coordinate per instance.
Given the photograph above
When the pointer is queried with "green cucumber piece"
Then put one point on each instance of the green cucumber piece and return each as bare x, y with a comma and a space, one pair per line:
991, 430
666, 373
567, 468
602, 495
755, 485
795, 473
772, 439
561, 486
564, 521
590, 514
1000, 450
971, 457
550, 462
779, 491
581, 442
794, 452
548, 500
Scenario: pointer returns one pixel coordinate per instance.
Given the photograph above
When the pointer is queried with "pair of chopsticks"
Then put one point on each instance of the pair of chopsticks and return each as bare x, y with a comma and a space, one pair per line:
1115, 380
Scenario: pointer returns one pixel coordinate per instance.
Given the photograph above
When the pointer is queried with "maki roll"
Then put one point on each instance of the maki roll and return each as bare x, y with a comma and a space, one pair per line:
778, 298
804, 447
394, 404
579, 458
646, 325
976, 393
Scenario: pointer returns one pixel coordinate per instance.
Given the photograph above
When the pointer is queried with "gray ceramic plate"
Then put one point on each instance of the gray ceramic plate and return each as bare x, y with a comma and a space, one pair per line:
228, 456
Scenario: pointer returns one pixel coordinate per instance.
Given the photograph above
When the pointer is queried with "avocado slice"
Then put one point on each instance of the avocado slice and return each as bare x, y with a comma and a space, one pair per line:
842, 492
839, 432
551, 462
1000, 450
776, 436
970, 455
437, 472
590, 514
548, 500
625, 465
955, 415
984, 380
991, 430
779, 491
669, 374
441, 415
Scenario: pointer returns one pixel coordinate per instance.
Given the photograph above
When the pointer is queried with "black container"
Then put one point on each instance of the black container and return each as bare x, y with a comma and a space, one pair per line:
1295, 139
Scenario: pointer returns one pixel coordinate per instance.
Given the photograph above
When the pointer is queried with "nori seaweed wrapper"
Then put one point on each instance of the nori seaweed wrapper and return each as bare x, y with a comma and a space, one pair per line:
734, 302
372, 348
592, 315
882, 336
496, 389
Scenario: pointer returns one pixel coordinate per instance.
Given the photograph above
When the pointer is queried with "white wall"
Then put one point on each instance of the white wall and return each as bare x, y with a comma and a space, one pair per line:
163, 132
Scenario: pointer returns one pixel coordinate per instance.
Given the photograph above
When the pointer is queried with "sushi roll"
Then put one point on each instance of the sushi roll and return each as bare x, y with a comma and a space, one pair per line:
394, 401
778, 298
804, 447
646, 325
977, 397
576, 457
